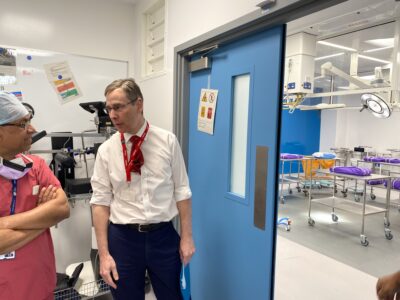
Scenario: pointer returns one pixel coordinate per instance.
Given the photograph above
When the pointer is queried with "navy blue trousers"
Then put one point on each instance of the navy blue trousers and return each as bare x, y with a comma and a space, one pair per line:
135, 252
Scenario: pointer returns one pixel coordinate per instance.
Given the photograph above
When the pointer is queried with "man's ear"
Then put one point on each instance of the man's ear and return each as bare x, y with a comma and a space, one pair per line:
140, 104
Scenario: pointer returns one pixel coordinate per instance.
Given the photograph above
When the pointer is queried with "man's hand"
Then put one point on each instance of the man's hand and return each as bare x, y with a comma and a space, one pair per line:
47, 194
187, 249
388, 286
108, 267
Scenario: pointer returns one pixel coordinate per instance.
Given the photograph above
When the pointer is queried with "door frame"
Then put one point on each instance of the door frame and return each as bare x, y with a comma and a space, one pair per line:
281, 12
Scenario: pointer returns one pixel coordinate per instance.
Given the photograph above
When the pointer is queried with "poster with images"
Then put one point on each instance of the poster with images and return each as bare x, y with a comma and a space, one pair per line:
61, 78
207, 106
8, 67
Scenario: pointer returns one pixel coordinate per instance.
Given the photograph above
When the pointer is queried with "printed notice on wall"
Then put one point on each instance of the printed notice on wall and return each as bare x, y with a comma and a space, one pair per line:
63, 81
8, 69
207, 106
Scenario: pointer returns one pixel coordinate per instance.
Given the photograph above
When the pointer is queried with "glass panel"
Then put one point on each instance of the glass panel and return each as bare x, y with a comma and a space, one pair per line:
241, 95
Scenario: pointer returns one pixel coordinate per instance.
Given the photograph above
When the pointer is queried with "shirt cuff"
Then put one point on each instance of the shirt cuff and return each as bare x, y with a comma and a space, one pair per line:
104, 200
183, 194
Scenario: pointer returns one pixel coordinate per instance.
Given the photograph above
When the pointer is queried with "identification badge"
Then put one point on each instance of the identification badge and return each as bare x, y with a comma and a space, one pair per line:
7, 256
35, 190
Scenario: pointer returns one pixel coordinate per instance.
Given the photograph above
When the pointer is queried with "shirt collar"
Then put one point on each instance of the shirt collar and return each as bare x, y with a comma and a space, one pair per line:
127, 135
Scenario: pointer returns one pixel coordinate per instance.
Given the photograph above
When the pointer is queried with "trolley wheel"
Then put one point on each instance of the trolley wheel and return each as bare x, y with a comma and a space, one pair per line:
373, 197
311, 222
388, 235
335, 218
290, 191
365, 243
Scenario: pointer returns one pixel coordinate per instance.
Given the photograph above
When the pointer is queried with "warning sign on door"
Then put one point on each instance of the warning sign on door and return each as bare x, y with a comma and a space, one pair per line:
207, 106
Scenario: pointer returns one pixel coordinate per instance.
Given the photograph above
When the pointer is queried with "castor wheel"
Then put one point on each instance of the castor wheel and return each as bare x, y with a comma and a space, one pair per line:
388, 234
364, 241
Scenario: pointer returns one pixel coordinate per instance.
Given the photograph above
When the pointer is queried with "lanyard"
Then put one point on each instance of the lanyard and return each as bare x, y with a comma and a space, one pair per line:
13, 197
134, 151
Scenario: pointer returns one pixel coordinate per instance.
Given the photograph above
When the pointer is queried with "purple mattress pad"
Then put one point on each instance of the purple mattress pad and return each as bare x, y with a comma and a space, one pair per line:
393, 160
376, 181
357, 171
375, 159
290, 156
395, 184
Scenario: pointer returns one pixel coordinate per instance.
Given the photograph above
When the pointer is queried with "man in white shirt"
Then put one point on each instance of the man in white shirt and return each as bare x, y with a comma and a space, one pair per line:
139, 185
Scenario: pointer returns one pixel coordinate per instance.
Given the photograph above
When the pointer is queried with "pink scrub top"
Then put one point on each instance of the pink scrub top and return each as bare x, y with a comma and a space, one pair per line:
32, 273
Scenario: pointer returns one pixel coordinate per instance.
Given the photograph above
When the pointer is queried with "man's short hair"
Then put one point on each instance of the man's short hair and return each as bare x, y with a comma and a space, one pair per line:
128, 85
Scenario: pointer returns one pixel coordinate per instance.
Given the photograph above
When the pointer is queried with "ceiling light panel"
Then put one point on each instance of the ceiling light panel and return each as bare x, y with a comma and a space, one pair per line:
336, 46
374, 59
329, 56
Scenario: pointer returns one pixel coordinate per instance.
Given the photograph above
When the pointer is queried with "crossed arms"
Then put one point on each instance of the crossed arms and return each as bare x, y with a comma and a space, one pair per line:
19, 229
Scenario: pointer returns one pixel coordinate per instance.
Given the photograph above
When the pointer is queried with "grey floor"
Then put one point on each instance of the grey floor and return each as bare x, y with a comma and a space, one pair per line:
302, 273
341, 241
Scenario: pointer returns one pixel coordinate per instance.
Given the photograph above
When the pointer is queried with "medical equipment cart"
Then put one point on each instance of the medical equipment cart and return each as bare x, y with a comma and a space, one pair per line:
312, 166
290, 178
380, 168
362, 209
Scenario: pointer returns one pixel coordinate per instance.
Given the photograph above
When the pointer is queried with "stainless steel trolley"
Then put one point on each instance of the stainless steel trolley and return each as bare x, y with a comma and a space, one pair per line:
289, 178
311, 166
362, 209
381, 168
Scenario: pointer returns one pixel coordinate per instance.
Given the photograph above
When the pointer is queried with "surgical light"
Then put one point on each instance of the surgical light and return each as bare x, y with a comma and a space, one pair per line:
376, 105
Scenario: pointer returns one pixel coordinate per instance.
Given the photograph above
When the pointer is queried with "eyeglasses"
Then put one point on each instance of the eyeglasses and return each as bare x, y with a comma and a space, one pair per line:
117, 107
23, 124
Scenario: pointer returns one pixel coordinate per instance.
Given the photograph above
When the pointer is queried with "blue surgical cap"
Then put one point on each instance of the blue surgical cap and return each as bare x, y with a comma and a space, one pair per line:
11, 108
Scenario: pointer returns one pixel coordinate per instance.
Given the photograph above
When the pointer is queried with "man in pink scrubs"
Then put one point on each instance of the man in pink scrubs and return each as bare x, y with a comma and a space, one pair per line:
31, 201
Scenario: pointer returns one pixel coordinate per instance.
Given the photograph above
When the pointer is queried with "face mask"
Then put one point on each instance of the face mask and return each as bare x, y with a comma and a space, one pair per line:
15, 169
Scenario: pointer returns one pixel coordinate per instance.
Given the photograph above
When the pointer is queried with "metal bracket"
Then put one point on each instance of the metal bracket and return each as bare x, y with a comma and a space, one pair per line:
200, 64
267, 4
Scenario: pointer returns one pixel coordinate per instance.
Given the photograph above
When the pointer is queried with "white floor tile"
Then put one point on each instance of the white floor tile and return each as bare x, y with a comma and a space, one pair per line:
302, 273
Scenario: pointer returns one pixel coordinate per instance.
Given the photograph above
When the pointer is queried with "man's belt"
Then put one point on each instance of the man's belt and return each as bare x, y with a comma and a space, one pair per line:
145, 227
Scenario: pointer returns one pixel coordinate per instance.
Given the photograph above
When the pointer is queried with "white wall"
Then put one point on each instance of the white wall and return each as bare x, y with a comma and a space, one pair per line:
95, 28
185, 20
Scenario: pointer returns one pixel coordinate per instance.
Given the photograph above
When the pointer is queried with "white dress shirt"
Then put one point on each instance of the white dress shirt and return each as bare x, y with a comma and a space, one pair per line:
150, 197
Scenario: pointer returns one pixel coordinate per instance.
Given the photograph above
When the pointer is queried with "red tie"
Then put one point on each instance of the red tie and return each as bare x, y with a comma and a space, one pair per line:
138, 160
